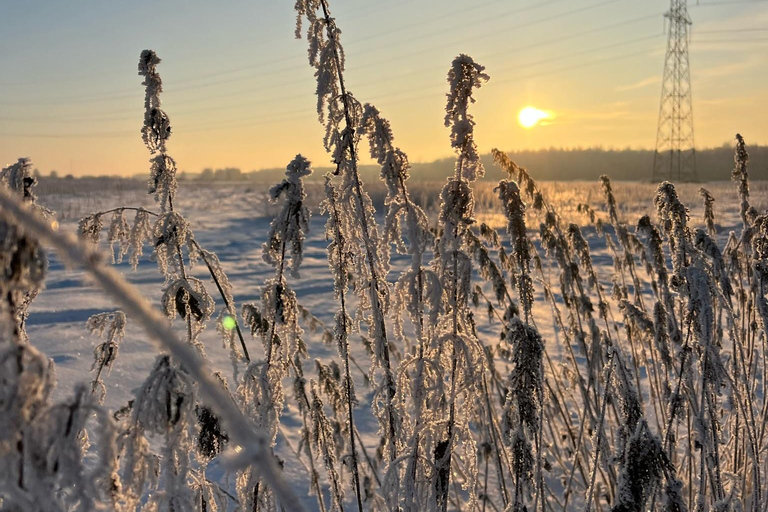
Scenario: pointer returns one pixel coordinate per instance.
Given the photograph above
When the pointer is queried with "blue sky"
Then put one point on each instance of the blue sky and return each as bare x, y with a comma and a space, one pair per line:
240, 93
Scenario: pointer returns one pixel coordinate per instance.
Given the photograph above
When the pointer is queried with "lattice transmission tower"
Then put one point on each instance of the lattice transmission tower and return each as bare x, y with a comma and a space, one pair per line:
675, 156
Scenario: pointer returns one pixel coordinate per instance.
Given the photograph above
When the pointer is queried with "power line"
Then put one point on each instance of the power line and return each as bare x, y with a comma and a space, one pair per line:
403, 95
384, 33
281, 116
464, 24
400, 95
604, 60
517, 65
675, 154
727, 2
751, 40
433, 91
442, 30
574, 35
94, 98
517, 77
731, 30
95, 135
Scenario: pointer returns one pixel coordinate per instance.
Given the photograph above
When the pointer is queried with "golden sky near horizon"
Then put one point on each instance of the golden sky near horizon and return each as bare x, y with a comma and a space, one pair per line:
240, 93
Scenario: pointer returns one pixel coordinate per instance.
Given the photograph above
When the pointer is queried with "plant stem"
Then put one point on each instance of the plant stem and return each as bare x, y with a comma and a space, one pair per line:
344, 347
377, 311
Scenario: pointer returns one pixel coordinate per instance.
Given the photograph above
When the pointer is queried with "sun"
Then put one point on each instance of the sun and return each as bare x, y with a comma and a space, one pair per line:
530, 116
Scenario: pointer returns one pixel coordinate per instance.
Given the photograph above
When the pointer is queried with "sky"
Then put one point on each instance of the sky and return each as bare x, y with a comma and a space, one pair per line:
240, 93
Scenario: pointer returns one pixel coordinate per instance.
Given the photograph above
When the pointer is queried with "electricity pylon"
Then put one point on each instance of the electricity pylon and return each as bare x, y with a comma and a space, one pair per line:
675, 156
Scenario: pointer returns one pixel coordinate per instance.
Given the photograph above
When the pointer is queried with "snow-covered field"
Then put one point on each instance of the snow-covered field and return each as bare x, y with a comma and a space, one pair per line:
232, 220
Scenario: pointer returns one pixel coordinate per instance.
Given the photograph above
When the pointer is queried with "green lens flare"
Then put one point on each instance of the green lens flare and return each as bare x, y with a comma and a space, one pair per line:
228, 322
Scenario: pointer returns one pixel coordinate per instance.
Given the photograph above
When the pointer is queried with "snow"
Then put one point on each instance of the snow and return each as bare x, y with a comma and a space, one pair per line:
231, 221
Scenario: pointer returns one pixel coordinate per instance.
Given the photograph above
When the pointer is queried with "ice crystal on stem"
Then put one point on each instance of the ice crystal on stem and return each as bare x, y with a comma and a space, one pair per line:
43, 444
740, 175
464, 76
417, 291
339, 260
456, 341
344, 116
277, 323
292, 223
157, 127
23, 262
105, 353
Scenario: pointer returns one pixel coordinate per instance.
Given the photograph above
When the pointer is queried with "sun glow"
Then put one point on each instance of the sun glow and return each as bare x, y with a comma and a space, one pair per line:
530, 116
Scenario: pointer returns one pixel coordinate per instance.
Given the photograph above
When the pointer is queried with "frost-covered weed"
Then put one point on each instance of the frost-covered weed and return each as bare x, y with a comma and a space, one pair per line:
339, 255
166, 404
709, 211
277, 323
650, 395
342, 115
111, 326
455, 345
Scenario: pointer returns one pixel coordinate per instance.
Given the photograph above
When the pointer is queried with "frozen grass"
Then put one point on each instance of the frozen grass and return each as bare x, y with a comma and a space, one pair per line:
525, 346
57, 319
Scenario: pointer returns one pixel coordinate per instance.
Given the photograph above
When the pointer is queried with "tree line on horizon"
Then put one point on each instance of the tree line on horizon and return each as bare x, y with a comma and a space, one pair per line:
562, 164
713, 164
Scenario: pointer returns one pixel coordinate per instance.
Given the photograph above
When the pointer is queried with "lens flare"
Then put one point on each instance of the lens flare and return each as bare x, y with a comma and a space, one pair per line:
531, 116
228, 322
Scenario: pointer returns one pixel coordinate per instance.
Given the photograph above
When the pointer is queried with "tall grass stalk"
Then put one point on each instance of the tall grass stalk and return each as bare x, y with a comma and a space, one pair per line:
251, 451
338, 254
343, 116
591, 365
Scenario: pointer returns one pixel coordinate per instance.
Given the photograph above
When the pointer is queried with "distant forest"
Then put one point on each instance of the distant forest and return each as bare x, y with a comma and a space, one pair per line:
712, 164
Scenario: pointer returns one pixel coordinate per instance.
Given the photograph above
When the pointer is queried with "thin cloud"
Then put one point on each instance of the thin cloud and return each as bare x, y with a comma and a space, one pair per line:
651, 80
729, 102
750, 18
730, 68
595, 115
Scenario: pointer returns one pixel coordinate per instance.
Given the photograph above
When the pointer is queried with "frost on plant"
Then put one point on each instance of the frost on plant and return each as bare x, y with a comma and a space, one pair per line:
288, 229
111, 327
157, 127
357, 222
557, 366
465, 76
